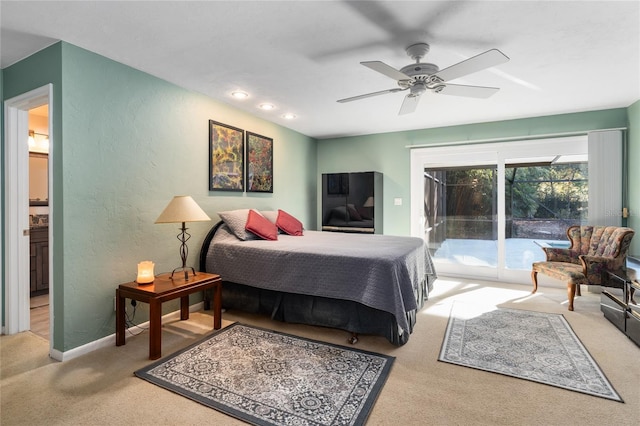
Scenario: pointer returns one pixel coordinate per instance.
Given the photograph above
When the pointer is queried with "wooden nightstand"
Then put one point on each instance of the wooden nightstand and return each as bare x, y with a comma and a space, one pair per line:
162, 289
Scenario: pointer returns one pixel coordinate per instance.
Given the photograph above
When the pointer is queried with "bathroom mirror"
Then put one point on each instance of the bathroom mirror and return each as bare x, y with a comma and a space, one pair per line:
38, 179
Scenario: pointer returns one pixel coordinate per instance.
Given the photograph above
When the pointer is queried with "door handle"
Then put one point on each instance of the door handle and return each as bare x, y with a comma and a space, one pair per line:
25, 232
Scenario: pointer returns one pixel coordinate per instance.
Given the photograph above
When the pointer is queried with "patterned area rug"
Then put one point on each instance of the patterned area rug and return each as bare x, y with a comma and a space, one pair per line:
529, 345
268, 378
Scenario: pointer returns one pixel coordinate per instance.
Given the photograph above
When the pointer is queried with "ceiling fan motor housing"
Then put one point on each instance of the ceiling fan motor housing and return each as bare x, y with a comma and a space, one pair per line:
420, 70
419, 73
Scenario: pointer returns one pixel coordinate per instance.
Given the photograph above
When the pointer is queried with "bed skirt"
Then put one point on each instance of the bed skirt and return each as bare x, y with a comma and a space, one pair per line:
346, 315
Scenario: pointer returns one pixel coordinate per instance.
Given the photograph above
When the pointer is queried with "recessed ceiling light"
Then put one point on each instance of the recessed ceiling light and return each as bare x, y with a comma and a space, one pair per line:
266, 106
239, 94
289, 116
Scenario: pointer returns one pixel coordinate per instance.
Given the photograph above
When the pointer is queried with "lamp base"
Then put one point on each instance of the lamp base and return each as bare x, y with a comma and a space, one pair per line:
186, 271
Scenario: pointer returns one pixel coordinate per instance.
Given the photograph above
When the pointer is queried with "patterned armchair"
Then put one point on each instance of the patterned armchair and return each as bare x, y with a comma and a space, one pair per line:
594, 249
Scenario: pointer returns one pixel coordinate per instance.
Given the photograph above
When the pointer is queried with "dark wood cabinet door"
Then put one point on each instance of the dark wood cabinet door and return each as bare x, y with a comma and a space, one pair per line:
39, 259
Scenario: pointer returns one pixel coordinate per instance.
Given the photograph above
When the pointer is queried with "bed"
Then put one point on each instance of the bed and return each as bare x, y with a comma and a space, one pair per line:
360, 283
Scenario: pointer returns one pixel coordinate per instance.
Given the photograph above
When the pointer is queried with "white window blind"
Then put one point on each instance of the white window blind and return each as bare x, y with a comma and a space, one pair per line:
605, 177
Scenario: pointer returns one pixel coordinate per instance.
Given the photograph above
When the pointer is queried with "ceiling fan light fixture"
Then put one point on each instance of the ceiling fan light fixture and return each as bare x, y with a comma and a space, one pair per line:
418, 88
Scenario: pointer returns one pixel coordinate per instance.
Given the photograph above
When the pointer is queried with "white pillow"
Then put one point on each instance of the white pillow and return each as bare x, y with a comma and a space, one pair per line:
271, 215
236, 220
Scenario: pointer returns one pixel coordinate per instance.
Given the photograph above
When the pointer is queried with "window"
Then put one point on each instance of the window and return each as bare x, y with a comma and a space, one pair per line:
466, 231
486, 209
541, 202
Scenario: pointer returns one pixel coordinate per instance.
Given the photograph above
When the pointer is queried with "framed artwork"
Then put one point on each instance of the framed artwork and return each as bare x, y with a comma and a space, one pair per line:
226, 157
259, 163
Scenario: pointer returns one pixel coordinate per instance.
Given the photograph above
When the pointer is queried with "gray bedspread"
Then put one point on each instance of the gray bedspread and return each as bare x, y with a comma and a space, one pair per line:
379, 271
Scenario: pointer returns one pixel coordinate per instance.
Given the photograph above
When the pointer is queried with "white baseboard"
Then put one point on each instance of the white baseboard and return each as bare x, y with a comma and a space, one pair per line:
111, 339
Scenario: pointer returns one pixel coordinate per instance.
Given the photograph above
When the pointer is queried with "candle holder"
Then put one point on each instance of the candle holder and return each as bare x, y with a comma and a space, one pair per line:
145, 272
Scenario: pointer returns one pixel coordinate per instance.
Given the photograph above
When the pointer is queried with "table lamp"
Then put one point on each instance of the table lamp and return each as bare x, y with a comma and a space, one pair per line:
182, 209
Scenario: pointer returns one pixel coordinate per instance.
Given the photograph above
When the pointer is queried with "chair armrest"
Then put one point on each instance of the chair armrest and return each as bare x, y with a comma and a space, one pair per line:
561, 255
594, 266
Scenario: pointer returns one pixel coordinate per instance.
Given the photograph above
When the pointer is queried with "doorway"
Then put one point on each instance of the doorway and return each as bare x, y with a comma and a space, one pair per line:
16, 310
39, 220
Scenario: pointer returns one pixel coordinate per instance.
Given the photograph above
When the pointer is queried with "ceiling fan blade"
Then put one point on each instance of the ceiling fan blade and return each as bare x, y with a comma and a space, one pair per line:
368, 95
409, 104
488, 59
468, 91
385, 69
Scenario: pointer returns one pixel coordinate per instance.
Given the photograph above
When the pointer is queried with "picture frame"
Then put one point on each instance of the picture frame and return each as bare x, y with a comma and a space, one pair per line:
226, 157
259, 160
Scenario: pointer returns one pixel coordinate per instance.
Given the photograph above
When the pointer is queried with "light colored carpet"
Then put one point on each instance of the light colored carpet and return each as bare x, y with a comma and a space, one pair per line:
100, 388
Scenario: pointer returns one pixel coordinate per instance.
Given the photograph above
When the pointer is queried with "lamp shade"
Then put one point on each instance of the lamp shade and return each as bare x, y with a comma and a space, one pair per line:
369, 202
182, 208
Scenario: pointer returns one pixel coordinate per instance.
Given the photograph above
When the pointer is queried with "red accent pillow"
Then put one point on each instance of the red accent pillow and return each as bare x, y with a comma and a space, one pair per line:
289, 224
261, 226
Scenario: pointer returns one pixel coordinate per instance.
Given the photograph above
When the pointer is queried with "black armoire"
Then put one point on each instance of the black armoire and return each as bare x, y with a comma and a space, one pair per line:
352, 202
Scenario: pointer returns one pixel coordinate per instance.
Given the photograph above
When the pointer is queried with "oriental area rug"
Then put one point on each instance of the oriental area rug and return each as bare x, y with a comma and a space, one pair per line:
528, 345
268, 378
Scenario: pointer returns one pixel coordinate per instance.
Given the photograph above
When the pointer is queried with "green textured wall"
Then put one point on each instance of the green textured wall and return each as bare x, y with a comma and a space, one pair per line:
129, 143
387, 152
31, 73
2, 200
132, 142
634, 175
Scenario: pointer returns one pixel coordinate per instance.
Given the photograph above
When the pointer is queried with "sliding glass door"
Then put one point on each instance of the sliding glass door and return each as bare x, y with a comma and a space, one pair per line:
465, 232
486, 210
541, 201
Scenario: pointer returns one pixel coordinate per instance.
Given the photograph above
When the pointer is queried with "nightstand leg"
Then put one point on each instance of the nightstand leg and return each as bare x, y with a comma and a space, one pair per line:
120, 340
184, 308
217, 307
155, 329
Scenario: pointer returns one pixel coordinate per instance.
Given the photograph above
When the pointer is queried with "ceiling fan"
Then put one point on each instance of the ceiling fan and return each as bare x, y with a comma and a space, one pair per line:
420, 77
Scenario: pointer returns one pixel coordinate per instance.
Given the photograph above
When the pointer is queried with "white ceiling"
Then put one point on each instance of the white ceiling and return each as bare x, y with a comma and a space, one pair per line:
566, 56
